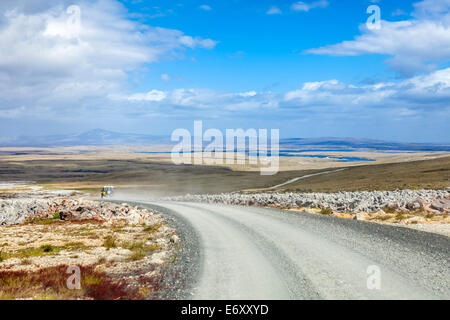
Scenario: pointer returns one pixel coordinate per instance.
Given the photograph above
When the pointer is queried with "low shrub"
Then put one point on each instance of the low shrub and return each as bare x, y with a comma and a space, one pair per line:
326, 211
153, 227
110, 242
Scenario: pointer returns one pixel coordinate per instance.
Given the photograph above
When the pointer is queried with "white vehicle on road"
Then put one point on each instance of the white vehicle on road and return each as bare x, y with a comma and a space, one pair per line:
107, 191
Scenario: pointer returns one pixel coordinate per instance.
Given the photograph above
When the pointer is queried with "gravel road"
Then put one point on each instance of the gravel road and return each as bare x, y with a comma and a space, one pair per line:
258, 253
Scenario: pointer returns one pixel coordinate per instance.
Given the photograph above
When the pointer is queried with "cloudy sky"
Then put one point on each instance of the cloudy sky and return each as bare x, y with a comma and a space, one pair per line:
311, 69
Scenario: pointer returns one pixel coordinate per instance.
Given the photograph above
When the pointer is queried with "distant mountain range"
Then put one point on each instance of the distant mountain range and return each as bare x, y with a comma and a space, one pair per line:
99, 137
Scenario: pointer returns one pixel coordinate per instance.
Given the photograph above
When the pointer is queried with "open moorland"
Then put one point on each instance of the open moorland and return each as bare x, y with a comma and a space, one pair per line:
48, 223
88, 169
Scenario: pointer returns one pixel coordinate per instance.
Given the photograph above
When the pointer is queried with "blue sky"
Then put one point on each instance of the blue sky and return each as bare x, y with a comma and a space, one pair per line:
309, 68
267, 48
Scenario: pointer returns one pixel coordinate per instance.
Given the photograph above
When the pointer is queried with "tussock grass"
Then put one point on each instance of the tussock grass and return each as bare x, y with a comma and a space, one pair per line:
43, 221
389, 210
139, 249
133, 245
3, 256
154, 247
152, 228
26, 261
423, 174
57, 216
138, 255
110, 241
75, 245
43, 250
165, 178
326, 211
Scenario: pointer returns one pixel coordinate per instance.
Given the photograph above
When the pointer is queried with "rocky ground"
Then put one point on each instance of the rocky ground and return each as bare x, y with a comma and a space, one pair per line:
29, 190
436, 201
121, 249
407, 207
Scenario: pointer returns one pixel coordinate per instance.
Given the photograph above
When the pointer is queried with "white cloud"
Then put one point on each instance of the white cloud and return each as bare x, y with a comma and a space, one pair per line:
415, 45
154, 95
210, 99
248, 94
431, 8
48, 74
191, 42
44, 65
205, 7
307, 6
165, 77
417, 95
422, 93
274, 10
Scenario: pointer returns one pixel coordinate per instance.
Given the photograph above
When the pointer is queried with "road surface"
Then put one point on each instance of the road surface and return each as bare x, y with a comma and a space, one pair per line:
257, 253
304, 177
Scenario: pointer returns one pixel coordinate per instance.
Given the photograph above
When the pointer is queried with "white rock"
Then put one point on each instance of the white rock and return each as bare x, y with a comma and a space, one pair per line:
174, 238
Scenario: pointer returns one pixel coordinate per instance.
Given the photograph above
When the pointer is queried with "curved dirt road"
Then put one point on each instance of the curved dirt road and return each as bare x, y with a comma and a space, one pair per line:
256, 253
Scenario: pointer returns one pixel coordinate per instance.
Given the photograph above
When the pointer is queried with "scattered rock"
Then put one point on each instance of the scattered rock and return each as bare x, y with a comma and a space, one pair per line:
416, 205
174, 239
16, 211
363, 201
442, 205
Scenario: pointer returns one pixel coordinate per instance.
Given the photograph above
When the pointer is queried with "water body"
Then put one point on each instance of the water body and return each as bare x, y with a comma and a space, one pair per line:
321, 156
290, 154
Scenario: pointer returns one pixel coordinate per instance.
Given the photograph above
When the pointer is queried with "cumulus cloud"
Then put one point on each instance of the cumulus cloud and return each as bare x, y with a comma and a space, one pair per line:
421, 94
404, 98
414, 45
212, 100
50, 62
307, 6
192, 42
431, 9
153, 95
52, 73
